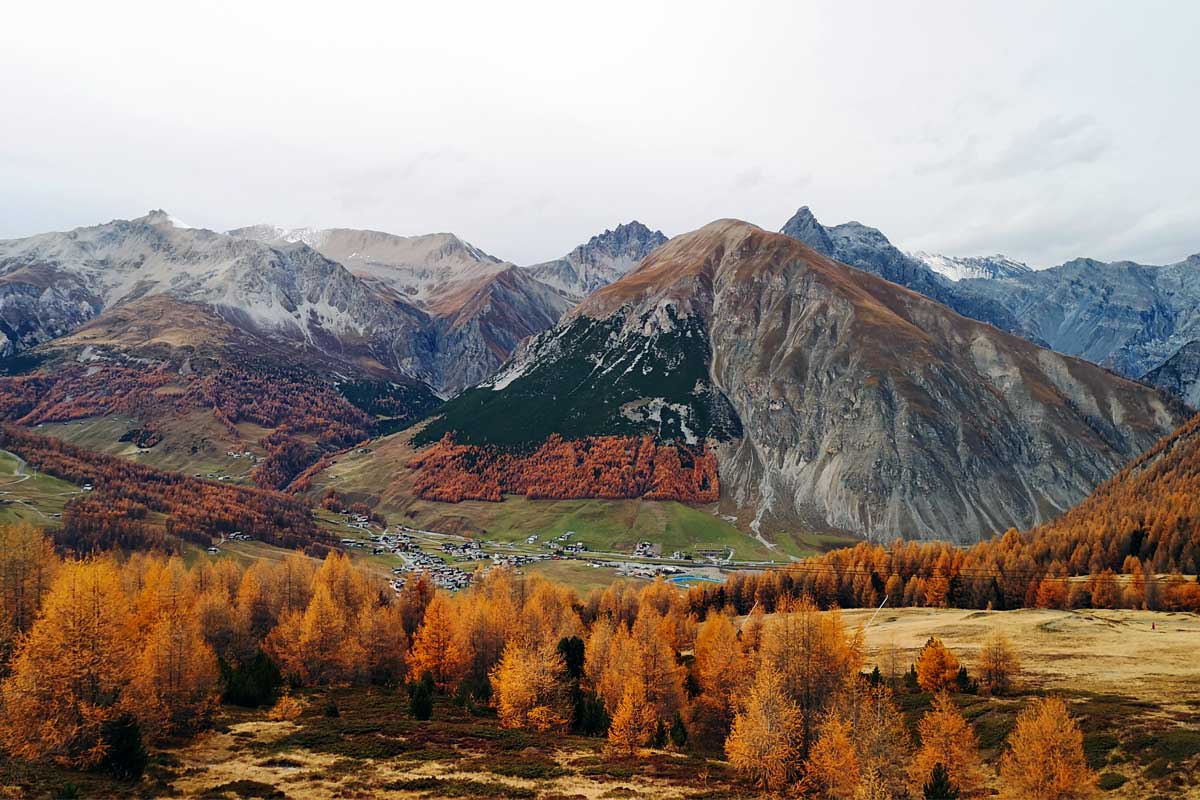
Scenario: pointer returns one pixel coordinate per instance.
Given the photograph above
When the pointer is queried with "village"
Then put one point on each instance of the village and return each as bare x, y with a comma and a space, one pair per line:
452, 561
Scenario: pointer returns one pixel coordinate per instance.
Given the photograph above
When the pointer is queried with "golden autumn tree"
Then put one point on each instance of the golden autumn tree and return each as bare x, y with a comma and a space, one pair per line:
812, 653
832, 771
652, 637
937, 666
317, 647
437, 647
719, 670
382, 643
947, 739
528, 687
175, 674
998, 663
882, 744
68, 673
632, 722
27, 566
766, 736
1044, 759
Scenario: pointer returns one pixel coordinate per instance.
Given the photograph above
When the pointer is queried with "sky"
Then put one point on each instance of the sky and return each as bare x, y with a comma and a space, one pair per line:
1044, 131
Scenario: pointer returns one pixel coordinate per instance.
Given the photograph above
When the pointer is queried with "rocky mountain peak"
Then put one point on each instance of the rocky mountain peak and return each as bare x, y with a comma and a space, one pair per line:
604, 258
804, 226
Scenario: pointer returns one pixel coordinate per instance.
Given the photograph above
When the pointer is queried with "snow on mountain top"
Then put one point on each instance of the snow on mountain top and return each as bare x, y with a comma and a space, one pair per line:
958, 268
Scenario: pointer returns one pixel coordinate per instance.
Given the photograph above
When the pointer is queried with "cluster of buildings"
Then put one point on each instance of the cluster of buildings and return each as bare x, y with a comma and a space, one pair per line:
646, 550
470, 550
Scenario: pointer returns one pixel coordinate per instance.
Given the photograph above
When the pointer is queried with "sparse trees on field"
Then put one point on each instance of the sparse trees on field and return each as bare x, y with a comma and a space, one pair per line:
998, 663
1044, 759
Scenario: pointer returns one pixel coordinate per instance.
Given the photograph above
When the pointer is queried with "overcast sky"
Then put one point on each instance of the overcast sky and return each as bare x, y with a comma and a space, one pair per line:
1041, 130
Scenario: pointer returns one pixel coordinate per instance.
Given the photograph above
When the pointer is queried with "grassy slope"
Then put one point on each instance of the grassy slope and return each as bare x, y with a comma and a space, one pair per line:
192, 443
29, 495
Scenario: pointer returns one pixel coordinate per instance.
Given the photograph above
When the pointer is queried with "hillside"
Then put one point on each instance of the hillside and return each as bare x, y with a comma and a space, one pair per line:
833, 398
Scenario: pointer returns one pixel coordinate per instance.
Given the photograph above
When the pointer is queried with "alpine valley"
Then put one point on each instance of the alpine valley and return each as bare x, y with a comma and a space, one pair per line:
727, 385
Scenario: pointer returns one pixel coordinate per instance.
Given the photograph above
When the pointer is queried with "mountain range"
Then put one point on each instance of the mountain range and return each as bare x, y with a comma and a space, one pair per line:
840, 382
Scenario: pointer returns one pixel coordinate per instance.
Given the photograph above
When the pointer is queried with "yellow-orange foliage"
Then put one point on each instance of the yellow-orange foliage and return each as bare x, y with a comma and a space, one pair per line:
832, 768
528, 689
175, 674
720, 672
632, 720
1044, 759
947, 739
765, 738
813, 655
937, 666
69, 671
437, 647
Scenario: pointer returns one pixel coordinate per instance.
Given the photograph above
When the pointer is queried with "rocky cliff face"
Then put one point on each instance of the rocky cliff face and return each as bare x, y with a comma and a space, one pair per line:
289, 293
605, 258
851, 402
1130, 317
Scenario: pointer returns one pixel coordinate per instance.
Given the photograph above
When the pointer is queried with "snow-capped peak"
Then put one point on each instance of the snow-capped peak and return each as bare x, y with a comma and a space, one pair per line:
958, 268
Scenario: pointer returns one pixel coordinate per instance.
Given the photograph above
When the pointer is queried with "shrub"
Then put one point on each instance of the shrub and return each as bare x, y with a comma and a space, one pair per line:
420, 697
252, 684
125, 755
286, 707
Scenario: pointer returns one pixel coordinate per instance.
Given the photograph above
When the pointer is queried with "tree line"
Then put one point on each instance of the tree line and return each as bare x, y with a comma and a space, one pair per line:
310, 418
609, 467
103, 654
117, 511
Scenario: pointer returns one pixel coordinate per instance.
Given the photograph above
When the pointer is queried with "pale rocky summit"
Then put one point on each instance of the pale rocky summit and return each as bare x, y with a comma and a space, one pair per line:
289, 292
605, 258
837, 399
958, 268
480, 307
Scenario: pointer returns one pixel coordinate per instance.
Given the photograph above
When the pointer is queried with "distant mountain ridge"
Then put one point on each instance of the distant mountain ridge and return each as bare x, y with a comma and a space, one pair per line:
1129, 317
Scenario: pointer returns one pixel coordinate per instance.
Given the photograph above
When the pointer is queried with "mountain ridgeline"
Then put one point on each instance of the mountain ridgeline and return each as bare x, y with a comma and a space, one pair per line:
845, 401
1129, 317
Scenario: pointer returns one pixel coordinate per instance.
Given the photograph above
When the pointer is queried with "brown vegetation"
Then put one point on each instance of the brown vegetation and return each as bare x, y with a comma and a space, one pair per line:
608, 467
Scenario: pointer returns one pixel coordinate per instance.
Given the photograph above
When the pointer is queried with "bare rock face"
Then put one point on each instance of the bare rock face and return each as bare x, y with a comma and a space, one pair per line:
605, 258
854, 403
